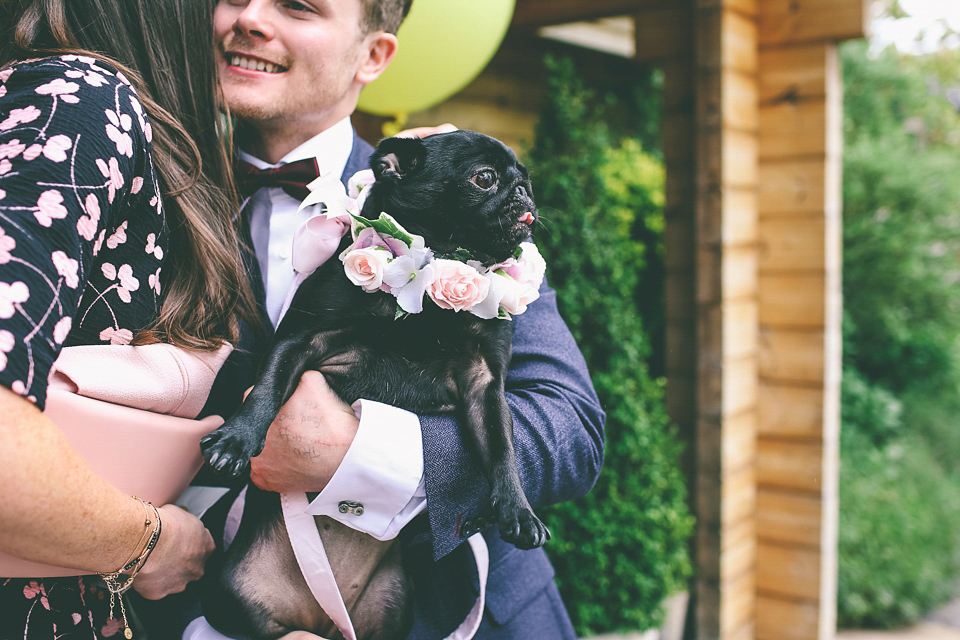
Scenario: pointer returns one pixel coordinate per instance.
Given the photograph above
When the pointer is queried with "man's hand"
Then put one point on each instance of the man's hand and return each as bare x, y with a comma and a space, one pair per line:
307, 441
423, 132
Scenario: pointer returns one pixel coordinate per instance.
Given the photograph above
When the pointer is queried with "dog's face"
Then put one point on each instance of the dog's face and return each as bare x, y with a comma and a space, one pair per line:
459, 189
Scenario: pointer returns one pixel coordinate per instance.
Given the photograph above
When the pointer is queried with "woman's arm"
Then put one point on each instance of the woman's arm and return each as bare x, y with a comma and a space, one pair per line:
58, 511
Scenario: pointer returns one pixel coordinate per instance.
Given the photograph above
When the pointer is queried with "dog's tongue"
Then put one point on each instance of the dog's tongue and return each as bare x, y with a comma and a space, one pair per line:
527, 218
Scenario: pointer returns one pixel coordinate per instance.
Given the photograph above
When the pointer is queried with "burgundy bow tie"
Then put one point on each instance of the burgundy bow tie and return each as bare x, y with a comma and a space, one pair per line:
292, 177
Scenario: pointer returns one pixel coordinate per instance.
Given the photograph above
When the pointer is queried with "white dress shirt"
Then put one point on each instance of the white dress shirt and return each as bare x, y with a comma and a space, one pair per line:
383, 469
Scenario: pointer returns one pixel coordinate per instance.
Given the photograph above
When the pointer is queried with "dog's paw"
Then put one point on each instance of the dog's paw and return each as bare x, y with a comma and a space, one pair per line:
519, 525
227, 452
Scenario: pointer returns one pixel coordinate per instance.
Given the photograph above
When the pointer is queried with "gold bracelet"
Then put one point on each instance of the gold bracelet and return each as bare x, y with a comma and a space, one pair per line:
117, 585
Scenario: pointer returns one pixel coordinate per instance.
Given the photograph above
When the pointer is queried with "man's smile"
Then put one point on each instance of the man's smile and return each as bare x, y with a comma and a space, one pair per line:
252, 63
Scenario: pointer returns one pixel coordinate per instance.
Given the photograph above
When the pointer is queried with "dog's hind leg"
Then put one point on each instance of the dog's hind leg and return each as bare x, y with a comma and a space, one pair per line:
229, 448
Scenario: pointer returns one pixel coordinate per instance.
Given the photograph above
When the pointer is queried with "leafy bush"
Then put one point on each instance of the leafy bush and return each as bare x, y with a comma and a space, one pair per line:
899, 533
900, 450
623, 548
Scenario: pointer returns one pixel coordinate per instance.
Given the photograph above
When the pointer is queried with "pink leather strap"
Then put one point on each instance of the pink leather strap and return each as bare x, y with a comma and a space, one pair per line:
308, 548
312, 558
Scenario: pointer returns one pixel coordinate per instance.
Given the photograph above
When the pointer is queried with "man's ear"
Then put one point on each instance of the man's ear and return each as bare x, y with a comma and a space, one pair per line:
381, 47
396, 158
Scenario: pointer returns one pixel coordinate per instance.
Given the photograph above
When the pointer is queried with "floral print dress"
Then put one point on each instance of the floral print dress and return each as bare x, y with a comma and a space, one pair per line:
82, 244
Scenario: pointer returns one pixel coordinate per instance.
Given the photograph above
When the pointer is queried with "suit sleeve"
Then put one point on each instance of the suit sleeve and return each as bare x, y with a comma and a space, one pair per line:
558, 431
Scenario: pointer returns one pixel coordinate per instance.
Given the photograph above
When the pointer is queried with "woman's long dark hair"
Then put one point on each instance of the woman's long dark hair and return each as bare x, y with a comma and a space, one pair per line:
166, 49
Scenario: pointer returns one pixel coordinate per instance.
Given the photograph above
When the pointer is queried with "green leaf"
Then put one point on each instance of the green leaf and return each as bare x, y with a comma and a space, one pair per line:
385, 225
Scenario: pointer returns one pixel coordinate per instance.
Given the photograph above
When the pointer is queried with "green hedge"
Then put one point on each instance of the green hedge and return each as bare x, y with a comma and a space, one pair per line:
623, 548
899, 551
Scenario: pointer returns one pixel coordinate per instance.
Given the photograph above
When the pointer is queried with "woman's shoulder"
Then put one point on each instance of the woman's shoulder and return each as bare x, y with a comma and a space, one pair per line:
70, 79
93, 71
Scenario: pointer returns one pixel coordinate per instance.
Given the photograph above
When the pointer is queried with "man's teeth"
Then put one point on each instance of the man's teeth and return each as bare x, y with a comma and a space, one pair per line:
253, 65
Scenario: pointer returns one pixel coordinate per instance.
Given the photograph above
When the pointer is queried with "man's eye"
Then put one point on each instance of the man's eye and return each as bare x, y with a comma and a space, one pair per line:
484, 179
297, 6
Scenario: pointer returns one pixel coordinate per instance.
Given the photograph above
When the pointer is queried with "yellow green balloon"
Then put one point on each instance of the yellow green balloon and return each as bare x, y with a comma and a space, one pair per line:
444, 44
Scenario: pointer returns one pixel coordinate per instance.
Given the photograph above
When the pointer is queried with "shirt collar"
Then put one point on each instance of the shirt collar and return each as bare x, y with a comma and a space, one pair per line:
331, 148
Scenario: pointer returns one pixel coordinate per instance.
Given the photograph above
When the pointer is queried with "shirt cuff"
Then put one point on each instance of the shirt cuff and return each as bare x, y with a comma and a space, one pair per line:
378, 487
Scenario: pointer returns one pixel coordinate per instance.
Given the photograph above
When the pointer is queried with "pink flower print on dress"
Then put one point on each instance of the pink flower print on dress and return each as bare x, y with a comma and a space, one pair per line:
4, 75
144, 125
7, 342
153, 248
87, 225
67, 268
118, 237
122, 139
72, 57
111, 628
154, 281
116, 336
62, 329
20, 116
12, 149
99, 243
135, 185
12, 295
32, 152
111, 170
91, 77
20, 389
56, 148
33, 590
7, 245
60, 88
50, 207
124, 276
5, 166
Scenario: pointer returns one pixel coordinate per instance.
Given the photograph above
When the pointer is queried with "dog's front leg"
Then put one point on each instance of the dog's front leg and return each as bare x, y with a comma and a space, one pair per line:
229, 448
488, 421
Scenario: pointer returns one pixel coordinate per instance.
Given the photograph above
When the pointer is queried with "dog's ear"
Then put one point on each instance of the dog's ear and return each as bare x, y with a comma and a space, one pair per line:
396, 158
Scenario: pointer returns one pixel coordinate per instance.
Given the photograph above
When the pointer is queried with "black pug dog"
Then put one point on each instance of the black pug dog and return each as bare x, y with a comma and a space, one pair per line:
459, 190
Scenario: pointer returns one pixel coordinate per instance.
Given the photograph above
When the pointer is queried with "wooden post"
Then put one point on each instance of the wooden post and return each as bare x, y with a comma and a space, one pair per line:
800, 315
710, 132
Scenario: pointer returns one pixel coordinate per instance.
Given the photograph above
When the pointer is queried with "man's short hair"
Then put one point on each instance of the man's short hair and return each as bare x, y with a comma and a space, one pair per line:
384, 15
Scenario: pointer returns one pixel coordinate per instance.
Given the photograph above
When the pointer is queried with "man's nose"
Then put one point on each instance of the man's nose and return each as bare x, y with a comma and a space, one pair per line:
256, 19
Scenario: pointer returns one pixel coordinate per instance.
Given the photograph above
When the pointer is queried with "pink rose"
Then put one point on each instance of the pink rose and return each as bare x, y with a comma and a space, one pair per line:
532, 265
365, 267
517, 295
457, 286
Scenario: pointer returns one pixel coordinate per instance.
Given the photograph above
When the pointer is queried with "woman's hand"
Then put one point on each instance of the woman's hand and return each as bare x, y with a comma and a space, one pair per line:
178, 559
307, 441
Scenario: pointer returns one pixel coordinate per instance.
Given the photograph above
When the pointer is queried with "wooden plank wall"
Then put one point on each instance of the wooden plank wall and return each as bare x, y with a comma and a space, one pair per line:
710, 137
800, 307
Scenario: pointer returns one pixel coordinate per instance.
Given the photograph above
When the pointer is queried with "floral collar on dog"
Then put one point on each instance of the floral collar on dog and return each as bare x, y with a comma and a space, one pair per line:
386, 257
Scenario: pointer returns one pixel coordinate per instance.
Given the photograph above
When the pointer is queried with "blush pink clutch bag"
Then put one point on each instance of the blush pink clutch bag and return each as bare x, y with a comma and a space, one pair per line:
130, 413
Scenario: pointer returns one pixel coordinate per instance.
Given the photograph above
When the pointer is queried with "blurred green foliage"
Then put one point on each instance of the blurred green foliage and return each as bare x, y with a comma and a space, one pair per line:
623, 548
900, 454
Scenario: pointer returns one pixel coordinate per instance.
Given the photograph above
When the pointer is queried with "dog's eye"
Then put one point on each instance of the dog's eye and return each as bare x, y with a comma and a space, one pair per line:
484, 179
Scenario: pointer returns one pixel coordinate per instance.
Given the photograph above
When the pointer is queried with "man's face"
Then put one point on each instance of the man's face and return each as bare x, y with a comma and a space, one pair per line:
289, 63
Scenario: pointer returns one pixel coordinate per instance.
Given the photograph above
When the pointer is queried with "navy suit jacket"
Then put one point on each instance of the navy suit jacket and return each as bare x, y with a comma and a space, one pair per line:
558, 434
